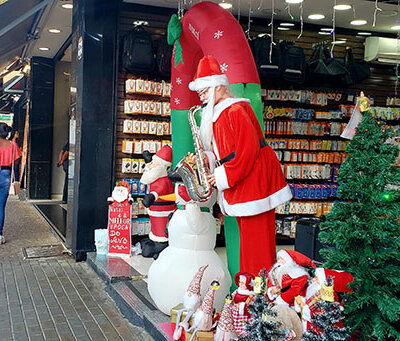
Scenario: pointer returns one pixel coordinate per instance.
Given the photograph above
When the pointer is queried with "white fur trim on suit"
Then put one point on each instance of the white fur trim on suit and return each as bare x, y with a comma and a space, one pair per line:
284, 255
220, 178
320, 273
155, 195
226, 103
157, 239
280, 301
241, 308
155, 157
158, 213
306, 313
256, 206
211, 160
208, 82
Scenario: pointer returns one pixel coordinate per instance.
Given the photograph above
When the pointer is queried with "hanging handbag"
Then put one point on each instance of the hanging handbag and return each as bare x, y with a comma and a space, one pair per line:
14, 185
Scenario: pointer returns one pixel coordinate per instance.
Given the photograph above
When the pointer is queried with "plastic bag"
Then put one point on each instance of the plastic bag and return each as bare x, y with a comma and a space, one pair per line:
101, 241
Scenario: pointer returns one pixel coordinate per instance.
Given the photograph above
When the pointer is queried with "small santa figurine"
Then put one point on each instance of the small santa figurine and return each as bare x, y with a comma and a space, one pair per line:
288, 277
225, 328
242, 296
191, 302
120, 193
155, 175
307, 306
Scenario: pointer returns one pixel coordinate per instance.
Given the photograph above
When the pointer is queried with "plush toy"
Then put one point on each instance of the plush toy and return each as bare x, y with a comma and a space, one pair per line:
191, 301
155, 175
225, 328
288, 277
203, 317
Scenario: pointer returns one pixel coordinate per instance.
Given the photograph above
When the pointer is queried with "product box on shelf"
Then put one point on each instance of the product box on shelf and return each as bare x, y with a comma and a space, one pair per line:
126, 165
127, 127
132, 106
166, 89
130, 86
127, 146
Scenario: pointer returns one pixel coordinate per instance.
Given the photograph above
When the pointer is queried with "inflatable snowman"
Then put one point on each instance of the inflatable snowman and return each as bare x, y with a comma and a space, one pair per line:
192, 236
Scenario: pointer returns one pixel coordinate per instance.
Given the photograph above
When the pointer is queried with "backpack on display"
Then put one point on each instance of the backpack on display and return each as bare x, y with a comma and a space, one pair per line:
357, 70
138, 56
268, 71
294, 63
163, 58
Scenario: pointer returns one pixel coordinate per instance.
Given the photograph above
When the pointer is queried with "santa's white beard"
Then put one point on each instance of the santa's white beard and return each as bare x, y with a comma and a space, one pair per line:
151, 175
191, 302
198, 316
279, 270
312, 289
120, 194
206, 124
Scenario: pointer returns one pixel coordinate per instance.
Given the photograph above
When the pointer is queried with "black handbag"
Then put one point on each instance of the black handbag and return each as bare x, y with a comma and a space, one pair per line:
357, 70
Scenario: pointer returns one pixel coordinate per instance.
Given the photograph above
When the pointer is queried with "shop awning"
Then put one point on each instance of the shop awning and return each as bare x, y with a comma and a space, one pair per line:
18, 20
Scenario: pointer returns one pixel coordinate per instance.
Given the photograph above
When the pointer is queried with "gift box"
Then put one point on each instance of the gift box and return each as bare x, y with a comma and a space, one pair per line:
174, 312
200, 336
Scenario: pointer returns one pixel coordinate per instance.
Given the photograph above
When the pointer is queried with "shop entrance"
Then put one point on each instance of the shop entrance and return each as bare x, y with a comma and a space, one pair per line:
55, 209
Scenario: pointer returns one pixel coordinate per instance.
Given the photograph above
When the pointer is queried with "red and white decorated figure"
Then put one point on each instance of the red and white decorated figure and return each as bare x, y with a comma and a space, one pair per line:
155, 175
288, 278
242, 297
307, 306
119, 220
247, 174
225, 329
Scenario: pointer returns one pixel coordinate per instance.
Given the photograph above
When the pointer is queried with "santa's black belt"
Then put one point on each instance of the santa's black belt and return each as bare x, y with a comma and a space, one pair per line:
230, 156
163, 203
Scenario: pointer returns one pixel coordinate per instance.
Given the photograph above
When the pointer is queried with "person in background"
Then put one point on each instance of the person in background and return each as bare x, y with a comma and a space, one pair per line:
8, 149
63, 161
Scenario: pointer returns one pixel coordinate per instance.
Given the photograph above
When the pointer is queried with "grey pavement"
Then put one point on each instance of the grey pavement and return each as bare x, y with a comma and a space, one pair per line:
52, 298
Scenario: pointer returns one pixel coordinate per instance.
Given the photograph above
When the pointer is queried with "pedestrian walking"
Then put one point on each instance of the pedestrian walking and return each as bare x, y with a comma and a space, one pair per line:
9, 156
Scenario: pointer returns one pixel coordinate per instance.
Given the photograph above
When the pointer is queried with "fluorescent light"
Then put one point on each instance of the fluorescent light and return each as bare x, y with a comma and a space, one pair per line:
54, 30
289, 24
262, 35
395, 28
316, 16
43, 48
329, 29
324, 33
293, 1
358, 22
225, 5
283, 28
141, 22
342, 7
364, 33
339, 42
67, 6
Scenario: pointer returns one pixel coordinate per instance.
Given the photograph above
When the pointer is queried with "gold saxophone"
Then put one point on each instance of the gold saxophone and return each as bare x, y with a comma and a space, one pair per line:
194, 175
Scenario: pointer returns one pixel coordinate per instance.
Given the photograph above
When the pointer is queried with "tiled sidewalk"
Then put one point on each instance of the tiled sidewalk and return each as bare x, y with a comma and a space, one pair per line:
58, 299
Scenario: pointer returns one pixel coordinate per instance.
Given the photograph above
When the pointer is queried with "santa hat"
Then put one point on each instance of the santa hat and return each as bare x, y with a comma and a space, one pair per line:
341, 279
225, 322
194, 286
164, 155
207, 306
208, 75
297, 257
247, 276
124, 184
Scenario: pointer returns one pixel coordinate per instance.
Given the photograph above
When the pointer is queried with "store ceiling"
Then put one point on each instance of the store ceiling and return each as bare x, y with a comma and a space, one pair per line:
15, 43
361, 9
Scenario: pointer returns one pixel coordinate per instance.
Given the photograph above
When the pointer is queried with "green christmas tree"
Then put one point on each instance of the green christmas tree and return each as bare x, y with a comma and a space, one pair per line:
364, 231
263, 327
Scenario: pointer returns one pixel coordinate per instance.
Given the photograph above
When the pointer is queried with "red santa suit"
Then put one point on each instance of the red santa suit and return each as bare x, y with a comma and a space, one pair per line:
292, 283
341, 280
250, 183
160, 209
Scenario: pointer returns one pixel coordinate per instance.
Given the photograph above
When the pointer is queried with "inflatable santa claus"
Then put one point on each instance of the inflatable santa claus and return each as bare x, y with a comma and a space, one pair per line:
155, 175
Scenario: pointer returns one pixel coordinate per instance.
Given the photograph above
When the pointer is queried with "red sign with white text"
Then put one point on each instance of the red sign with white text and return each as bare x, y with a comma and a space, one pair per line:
119, 228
